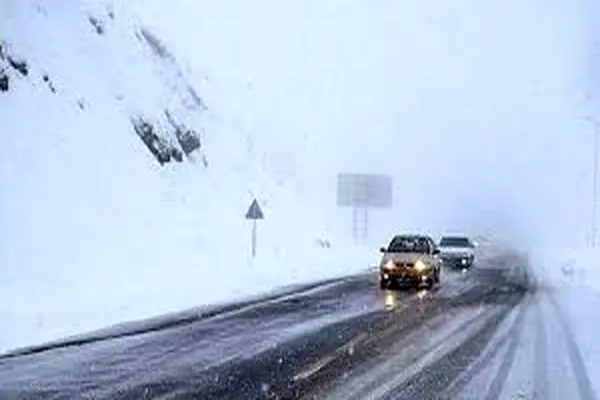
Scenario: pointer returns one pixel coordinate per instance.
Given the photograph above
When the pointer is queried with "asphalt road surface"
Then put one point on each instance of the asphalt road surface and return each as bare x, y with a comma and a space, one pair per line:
340, 339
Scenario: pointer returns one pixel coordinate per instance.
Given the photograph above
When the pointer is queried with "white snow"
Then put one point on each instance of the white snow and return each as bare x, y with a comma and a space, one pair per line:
455, 106
571, 276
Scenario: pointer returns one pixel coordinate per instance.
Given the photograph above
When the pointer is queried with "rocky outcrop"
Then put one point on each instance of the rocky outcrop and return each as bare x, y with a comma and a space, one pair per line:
3, 81
160, 148
188, 139
97, 25
18, 65
170, 136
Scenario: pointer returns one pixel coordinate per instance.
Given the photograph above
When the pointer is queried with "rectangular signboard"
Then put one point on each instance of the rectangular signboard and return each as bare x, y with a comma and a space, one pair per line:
364, 190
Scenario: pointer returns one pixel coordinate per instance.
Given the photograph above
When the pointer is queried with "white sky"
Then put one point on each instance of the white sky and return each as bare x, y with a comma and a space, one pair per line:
475, 107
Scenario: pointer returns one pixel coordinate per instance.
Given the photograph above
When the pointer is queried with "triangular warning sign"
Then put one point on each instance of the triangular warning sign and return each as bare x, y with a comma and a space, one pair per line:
254, 212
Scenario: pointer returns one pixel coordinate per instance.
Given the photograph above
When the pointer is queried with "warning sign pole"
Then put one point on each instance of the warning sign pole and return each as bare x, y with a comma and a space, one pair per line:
254, 213
253, 238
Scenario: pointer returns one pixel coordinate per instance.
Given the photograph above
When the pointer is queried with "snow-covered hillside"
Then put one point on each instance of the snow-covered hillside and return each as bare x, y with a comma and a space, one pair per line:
96, 228
134, 135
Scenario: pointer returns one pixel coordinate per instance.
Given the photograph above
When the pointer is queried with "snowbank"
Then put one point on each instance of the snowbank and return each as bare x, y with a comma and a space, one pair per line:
570, 277
566, 266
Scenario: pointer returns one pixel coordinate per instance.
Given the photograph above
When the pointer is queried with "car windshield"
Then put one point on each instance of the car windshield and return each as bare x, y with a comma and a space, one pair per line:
409, 244
455, 242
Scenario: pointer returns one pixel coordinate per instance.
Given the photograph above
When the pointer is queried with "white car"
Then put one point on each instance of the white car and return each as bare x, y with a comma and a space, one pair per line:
457, 252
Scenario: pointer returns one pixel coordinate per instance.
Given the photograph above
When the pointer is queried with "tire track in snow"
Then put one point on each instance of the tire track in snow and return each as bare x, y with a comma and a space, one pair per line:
514, 335
465, 378
540, 377
413, 359
584, 385
439, 376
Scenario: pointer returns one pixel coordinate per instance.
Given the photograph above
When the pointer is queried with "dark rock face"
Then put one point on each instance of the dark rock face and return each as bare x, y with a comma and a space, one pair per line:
160, 148
18, 65
169, 137
188, 139
155, 44
3, 81
47, 80
98, 26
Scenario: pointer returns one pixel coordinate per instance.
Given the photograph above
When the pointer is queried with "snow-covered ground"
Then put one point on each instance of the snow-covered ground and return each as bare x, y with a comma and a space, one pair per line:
571, 278
268, 101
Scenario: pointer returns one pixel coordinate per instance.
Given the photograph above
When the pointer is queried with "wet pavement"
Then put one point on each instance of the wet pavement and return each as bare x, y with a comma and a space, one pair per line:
342, 338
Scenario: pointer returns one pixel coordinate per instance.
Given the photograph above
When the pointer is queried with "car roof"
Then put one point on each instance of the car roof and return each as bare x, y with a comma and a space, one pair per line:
409, 236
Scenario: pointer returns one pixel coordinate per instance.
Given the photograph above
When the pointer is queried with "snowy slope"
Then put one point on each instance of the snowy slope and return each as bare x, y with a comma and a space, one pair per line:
279, 98
94, 230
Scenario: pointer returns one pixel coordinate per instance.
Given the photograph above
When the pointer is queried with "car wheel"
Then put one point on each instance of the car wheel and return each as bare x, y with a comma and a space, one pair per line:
384, 284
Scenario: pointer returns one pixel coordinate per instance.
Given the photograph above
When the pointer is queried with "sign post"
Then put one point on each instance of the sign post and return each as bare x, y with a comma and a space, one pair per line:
361, 192
254, 213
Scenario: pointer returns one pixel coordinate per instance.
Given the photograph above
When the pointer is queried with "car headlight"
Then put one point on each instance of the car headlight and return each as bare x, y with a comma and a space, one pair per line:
389, 264
420, 266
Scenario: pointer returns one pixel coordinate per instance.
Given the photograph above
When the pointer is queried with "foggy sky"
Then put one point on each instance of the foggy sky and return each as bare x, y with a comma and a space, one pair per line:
475, 108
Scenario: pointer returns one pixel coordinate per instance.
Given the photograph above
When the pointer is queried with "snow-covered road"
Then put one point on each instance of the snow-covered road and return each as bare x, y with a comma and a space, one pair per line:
484, 334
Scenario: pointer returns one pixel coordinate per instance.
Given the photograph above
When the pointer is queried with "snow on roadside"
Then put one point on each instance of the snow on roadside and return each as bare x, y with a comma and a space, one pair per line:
571, 277
564, 266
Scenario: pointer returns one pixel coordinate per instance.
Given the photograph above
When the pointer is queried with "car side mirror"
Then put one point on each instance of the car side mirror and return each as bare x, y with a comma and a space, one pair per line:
436, 251
382, 249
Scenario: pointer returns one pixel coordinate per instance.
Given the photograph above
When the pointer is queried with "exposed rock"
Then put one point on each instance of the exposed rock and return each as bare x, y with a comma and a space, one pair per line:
158, 146
97, 24
1, 52
324, 243
155, 44
176, 154
18, 65
188, 139
196, 99
46, 79
3, 81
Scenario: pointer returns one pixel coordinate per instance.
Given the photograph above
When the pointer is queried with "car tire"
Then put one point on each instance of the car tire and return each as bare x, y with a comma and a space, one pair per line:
384, 284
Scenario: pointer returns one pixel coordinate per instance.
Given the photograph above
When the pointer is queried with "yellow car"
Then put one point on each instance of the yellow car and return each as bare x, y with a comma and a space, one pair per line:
410, 260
